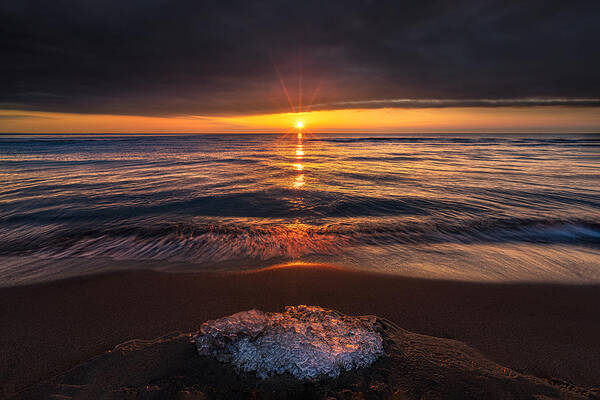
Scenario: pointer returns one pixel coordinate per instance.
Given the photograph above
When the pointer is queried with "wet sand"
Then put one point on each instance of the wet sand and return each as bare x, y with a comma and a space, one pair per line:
546, 330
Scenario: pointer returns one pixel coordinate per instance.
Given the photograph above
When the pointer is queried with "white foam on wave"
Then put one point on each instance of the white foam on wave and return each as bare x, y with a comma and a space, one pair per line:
305, 341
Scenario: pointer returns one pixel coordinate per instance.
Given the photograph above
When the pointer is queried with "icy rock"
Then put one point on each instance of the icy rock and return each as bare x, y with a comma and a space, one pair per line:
306, 341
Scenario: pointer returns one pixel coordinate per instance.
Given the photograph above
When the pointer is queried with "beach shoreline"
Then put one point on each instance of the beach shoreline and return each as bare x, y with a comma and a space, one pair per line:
546, 330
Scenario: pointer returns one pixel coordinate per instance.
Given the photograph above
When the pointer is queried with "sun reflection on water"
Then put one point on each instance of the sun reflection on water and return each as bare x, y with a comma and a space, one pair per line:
299, 166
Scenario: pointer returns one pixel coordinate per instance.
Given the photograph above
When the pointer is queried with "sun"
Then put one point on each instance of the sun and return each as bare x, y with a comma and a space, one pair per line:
299, 124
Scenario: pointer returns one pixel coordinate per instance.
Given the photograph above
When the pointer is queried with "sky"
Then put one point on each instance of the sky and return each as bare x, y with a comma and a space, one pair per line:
259, 66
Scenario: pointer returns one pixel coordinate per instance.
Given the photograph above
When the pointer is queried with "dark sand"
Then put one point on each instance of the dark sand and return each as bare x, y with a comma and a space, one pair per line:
546, 330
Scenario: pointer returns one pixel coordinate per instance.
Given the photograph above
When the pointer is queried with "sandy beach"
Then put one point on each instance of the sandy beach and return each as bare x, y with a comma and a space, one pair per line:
550, 331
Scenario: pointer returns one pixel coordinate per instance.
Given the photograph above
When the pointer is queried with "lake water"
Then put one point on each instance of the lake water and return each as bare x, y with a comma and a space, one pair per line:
470, 207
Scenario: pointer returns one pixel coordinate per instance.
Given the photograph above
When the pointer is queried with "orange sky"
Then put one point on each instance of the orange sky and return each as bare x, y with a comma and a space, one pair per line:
384, 120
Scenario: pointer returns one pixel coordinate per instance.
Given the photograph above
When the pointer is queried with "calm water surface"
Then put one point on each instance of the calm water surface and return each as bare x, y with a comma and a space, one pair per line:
505, 208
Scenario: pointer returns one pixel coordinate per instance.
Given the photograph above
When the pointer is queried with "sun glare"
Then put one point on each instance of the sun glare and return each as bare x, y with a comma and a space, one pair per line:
299, 124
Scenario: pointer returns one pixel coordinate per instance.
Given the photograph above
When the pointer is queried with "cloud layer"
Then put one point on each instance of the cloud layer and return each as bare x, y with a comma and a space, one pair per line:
156, 57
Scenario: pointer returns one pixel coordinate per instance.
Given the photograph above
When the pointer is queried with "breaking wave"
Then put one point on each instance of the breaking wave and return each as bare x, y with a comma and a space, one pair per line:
212, 243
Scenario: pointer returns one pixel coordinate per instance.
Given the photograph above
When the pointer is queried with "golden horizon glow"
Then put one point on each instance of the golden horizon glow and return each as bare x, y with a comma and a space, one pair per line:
551, 119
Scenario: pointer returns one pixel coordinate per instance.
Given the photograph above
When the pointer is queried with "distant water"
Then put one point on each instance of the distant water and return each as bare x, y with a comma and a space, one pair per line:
505, 208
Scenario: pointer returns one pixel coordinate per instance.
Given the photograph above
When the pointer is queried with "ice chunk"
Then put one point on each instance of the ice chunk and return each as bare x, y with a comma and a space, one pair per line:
306, 341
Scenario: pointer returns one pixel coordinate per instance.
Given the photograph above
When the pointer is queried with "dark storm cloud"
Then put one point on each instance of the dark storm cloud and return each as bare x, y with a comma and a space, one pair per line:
445, 103
159, 57
12, 117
